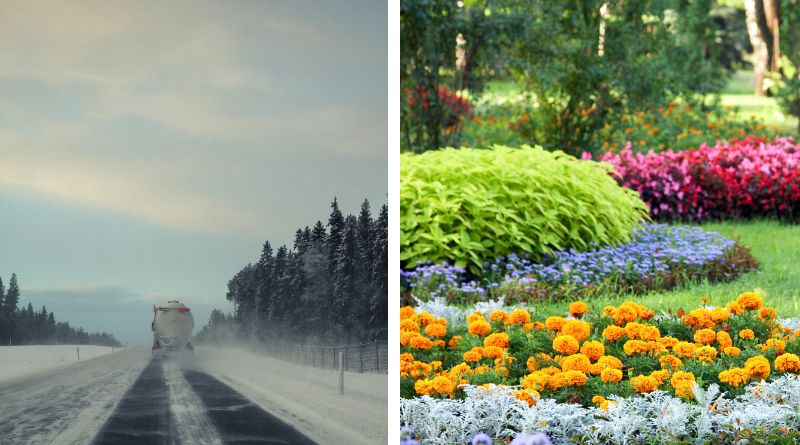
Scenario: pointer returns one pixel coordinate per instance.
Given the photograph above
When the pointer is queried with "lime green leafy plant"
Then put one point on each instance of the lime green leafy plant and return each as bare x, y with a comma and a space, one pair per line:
467, 206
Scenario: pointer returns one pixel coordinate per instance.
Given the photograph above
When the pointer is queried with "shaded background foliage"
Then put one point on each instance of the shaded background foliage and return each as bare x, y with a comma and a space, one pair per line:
583, 64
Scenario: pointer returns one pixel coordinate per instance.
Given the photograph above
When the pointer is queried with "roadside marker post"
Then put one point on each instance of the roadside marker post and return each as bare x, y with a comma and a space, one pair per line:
341, 372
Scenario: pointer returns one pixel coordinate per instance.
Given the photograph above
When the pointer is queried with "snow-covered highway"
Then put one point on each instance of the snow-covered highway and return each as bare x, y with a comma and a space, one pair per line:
217, 396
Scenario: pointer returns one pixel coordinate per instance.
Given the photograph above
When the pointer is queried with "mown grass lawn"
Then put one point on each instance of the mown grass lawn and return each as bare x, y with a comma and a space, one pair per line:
738, 94
775, 245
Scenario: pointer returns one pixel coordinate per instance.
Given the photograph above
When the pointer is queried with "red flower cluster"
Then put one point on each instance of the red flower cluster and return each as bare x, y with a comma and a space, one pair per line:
453, 105
743, 178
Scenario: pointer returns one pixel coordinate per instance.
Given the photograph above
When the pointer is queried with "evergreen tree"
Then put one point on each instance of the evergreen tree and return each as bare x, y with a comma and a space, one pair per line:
318, 235
10, 307
379, 304
265, 271
345, 288
334, 239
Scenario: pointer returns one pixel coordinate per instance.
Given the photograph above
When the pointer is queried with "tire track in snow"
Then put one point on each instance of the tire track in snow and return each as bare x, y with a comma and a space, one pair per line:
143, 415
238, 420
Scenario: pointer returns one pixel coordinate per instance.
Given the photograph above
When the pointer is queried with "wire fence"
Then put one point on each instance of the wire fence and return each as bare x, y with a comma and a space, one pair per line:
363, 357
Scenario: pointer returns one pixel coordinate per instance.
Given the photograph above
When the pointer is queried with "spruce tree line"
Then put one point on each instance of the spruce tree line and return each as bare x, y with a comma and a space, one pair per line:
28, 327
329, 288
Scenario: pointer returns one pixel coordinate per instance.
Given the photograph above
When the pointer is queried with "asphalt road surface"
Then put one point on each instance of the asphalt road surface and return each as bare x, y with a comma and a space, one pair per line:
128, 398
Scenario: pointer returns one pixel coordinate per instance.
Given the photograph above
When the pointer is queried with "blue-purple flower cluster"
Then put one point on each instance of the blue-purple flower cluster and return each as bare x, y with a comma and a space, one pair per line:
655, 250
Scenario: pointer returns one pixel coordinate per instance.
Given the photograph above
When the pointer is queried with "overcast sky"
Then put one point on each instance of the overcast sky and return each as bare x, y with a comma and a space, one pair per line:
148, 148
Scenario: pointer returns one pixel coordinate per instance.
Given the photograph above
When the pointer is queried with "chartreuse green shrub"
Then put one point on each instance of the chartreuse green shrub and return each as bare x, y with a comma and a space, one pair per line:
467, 206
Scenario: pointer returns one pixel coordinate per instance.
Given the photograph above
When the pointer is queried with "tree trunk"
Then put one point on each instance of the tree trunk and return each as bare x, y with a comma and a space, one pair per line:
760, 51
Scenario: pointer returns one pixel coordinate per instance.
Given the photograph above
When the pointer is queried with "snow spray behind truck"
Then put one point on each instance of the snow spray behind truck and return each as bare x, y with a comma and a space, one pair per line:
172, 326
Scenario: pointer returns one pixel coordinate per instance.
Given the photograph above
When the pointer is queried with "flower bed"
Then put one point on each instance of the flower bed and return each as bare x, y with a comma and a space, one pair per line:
658, 257
744, 178
622, 375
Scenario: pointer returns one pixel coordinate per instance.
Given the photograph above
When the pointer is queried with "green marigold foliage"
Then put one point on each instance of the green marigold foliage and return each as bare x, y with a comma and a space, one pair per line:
468, 206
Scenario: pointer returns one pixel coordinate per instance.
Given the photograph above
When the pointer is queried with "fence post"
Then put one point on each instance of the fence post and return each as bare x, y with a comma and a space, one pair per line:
341, 373
78, 348
360, 359
377, 357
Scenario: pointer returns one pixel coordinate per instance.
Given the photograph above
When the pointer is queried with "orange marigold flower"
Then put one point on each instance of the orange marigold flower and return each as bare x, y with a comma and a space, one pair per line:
576, 328
577, 362
626, 312
705, 353
635, 347
531, 364
578, 308
610, 375
699, 318
734, 377
535, 381
425, 318
757, 367
554, 323
453, 343
655, 347
473, 355
787, 363
776, 344
670, 362
608, 311
439, 343
747, 334
735, 308
767, 313
475, 316
575, 377
724, 339
684, 349
406, 312
683, 382
436, 330
527, 327
705, 336
424, 387
646, 313
668, 342
644, 383
499, 315
409, 325
520, 316
565, 344
492, 352
613, 333
719, 315
498, 339
420, 342
749, 300
610, 361
593, 349
660, 375
479, 327
443, 385
732, 351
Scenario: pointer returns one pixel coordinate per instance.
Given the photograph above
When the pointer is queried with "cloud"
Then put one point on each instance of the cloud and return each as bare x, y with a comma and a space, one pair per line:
195, 115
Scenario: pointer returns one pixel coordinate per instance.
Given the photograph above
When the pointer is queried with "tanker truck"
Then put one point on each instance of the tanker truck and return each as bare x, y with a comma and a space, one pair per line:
172, 327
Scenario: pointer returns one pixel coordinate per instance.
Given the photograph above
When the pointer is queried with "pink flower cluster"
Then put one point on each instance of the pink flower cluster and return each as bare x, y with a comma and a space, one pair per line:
743, 178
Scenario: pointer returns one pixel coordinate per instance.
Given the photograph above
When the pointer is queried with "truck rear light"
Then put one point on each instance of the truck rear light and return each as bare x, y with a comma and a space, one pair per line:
183, 309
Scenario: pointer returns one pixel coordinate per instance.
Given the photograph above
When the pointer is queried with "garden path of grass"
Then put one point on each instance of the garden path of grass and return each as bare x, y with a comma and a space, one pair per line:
775, 245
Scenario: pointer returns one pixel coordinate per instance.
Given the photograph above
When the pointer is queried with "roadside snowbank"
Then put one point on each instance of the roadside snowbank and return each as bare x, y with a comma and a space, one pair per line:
306, 398
16, 361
